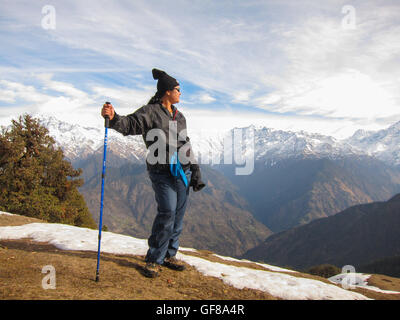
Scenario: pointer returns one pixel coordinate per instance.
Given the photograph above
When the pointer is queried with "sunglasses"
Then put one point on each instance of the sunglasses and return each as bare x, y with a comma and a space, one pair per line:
177, 89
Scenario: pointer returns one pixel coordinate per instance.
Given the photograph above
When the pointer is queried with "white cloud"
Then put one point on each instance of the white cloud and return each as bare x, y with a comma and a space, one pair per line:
206, 98
65, 101
69, 107
123, 97
7, 95
209, 122
33, 99
241, 96
269, 99
332, 72
64, 88
349, 94
16, 90
287, 57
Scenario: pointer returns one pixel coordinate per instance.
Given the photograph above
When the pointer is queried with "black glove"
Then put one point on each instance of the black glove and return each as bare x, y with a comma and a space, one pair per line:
195, 180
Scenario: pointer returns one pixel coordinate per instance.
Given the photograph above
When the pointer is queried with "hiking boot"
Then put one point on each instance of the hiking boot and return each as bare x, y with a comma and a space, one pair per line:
151, 270
174, 264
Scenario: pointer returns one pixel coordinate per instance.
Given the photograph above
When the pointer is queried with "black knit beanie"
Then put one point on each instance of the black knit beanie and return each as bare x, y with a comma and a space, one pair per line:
165, 82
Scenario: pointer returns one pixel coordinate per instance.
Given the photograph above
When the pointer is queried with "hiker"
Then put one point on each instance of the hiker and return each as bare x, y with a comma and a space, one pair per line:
171, 171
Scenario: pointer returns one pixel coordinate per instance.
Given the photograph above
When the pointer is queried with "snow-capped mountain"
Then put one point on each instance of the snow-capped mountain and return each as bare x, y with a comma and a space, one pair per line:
79, 142
383, 144
278, 144
269, 145
75, 140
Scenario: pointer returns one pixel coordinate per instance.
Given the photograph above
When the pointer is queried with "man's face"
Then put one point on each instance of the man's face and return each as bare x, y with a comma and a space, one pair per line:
175, 95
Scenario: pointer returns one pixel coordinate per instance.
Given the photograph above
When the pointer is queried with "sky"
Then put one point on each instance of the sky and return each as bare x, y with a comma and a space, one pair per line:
329, 67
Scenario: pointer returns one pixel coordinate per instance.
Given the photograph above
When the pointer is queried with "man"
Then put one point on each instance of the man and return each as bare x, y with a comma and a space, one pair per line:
171, 167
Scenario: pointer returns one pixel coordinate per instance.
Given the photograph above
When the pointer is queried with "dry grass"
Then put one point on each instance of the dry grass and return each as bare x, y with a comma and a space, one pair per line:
16, 220
121, 276
384, 282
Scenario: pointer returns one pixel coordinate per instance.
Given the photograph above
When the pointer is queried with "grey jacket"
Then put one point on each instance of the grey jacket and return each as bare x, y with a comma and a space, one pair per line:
162, 133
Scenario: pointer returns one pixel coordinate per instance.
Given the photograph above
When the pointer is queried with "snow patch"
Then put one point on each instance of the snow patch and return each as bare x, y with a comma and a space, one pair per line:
6, 213
358, 280
283, 286
273, 268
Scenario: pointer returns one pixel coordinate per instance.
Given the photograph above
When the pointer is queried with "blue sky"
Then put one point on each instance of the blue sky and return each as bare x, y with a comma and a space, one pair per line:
330, 67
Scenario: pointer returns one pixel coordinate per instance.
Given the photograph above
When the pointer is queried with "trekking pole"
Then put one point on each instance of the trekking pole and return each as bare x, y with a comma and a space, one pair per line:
106, 125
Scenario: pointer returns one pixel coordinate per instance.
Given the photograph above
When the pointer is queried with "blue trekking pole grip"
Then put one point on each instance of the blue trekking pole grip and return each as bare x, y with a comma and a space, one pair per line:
103, 174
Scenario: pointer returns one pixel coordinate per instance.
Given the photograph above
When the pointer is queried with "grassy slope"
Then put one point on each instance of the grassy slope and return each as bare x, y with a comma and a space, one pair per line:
21, 263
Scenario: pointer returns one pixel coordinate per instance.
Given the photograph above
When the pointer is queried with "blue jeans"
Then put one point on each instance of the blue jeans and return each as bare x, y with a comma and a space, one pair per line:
171, 196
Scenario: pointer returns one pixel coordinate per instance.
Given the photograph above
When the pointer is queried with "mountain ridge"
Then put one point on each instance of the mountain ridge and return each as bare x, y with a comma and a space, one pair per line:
293, 192
327, 191
355, 236
269, 144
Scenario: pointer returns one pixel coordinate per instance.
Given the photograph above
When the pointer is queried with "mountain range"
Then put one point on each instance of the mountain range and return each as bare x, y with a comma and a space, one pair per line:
269, 144
383, 144
356, 236
298, 177
296, 191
